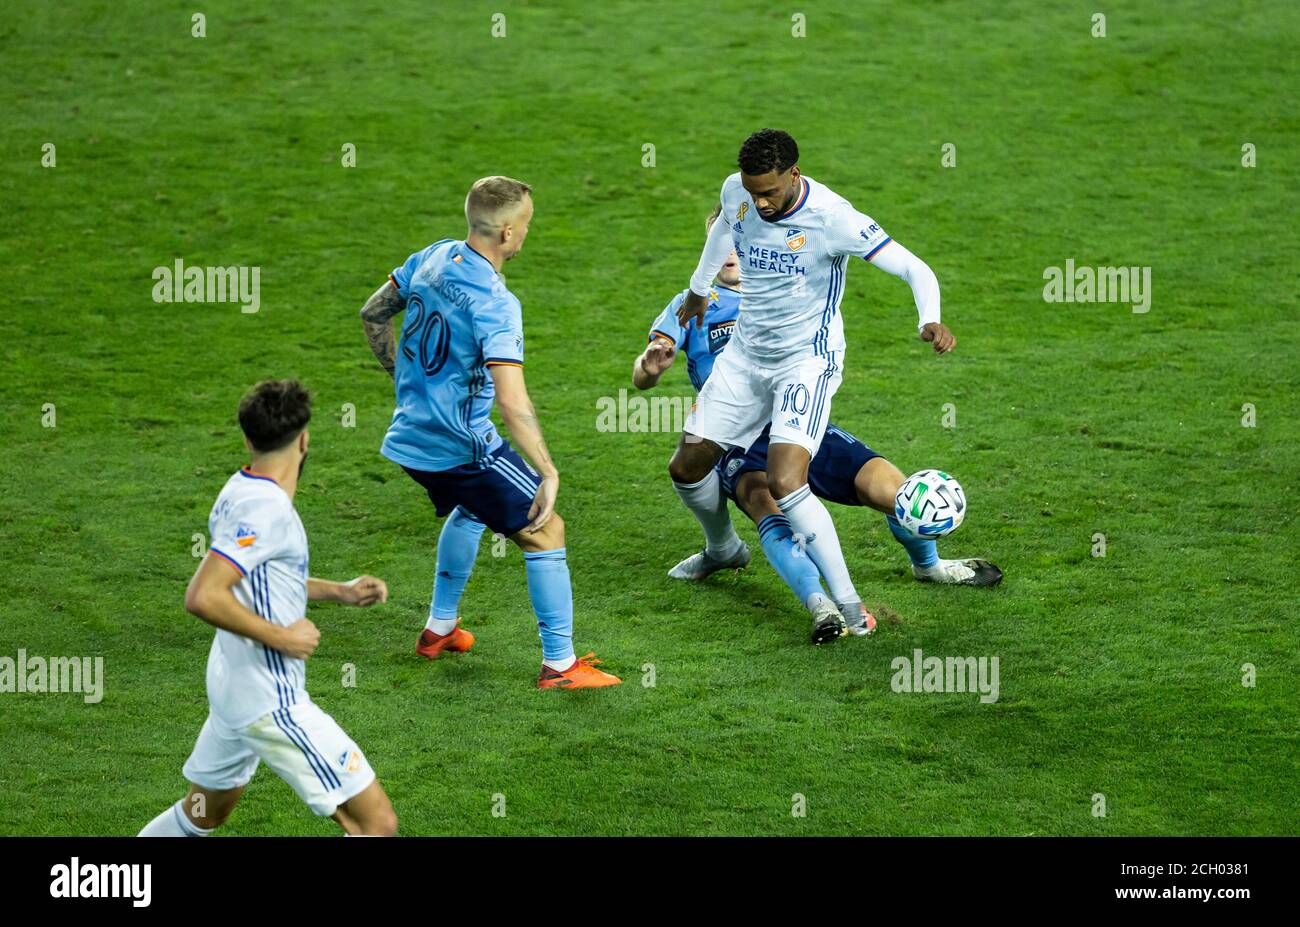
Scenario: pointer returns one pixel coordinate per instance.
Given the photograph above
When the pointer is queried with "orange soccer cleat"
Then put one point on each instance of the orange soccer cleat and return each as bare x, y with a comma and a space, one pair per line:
581, 675
431, 645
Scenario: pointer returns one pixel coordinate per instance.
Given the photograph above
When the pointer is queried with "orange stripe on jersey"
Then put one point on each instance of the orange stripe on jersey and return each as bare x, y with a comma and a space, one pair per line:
502, 364
394, 283
667, 337
229, 559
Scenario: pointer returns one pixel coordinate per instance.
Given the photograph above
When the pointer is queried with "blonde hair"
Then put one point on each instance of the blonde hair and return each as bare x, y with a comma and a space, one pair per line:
493, 200
713, 217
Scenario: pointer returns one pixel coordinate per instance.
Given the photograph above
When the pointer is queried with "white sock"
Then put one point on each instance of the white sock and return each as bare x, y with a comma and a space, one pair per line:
706, 500
561, 665
815, 600
173, 823
440, 626
808, 517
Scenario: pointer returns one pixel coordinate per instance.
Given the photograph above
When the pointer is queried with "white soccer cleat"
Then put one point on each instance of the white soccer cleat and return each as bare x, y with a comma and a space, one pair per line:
860, 621
959, 573
698, 566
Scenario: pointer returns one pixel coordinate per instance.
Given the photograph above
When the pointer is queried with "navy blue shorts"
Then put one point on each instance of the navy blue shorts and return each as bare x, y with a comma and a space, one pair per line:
498, 490
830, 474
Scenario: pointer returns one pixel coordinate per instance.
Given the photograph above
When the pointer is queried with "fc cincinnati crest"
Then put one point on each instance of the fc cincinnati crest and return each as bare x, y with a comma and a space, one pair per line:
794, 239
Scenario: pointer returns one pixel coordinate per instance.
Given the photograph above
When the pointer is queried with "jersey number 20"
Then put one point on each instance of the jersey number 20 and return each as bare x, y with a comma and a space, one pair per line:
426, 330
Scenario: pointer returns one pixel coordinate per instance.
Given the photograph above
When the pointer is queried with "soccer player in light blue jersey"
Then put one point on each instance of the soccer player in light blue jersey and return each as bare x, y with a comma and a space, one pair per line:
844, 470
462, 348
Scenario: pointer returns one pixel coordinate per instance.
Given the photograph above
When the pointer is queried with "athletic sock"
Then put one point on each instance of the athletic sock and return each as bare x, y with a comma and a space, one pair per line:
797, 569
808, 517
922, 551
706, 500
173, 822
457, 548
552, 597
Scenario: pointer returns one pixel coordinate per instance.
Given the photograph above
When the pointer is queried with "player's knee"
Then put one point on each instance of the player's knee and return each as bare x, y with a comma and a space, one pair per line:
553, 531
549, 537
209, 810
781, 483
877, 483
684, 470
693, 460
383, 823
754, 496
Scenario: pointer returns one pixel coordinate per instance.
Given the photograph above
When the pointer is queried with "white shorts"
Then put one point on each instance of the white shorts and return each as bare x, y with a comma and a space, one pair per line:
742, 396
305, 747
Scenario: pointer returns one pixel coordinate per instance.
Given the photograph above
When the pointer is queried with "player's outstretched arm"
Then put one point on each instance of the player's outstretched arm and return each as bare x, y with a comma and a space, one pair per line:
210, 596
650, 365
363, 591
893, 258
717, 247
376, 316
526, 431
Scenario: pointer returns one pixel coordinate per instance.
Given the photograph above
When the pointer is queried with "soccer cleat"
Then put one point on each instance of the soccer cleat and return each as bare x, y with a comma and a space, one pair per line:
828, 623
431, 645
860, 621
698, 566
581, 675
960, 573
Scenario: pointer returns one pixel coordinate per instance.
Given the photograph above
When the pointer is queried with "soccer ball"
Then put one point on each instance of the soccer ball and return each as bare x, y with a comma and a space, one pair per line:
930, 504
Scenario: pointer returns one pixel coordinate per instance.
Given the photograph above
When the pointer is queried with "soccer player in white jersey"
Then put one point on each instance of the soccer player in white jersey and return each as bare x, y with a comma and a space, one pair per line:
785, 360
254, 586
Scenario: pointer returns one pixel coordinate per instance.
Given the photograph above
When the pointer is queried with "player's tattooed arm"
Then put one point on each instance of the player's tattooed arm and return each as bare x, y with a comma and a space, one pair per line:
377, 319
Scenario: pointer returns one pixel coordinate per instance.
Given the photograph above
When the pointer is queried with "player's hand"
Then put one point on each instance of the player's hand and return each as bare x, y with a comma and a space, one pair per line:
658, 357
543, 506
364, 591
693, 307
299, 640
938, 333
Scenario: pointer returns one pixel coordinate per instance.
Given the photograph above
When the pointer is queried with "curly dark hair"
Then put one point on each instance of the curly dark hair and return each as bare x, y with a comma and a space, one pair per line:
273, 413
768, 150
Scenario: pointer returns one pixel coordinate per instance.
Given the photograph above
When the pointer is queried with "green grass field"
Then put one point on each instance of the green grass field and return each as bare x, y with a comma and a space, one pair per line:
1120, 676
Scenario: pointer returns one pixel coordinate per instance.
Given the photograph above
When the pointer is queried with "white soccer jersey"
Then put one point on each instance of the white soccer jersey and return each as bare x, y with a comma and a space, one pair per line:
792, 267
255, 527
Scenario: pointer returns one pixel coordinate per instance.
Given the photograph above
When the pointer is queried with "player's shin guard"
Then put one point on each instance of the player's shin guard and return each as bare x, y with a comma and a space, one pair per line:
923, 551
457, 548
706, 500
788, 558
808, 517
552, 596
173, 823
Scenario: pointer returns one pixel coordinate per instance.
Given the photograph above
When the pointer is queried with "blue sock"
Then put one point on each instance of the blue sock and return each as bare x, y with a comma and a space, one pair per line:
795, 566
548, 587
923, 551
457, 548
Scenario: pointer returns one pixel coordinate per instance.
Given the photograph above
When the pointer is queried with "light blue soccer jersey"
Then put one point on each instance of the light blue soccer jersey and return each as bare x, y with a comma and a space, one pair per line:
460, 320
701, 346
